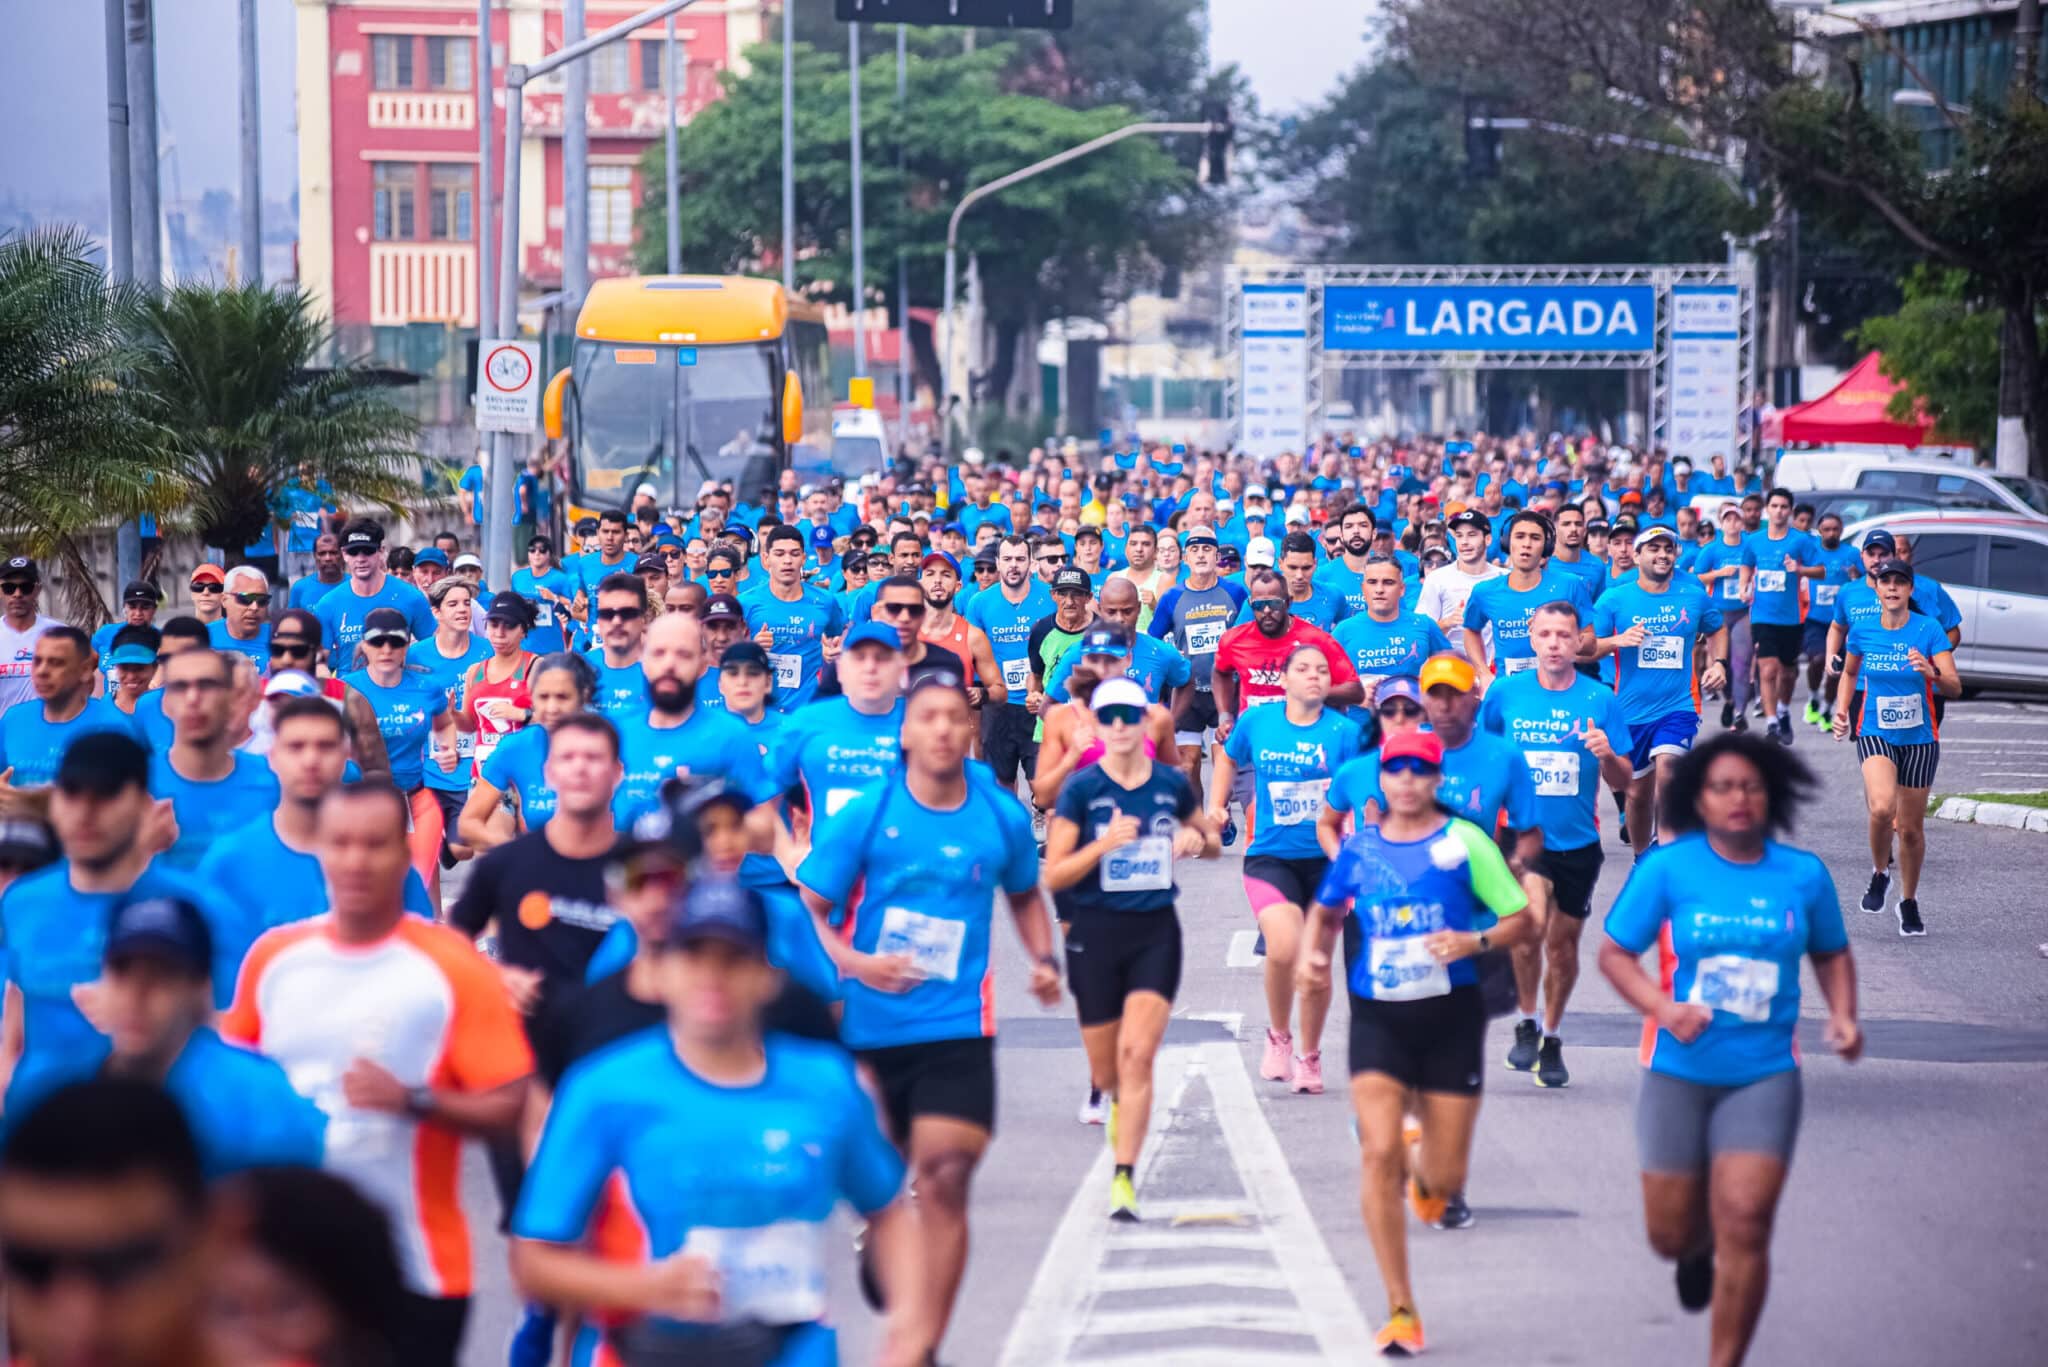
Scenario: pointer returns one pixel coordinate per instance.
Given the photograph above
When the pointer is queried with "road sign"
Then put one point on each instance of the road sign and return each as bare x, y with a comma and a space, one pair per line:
1041, 14
508, 387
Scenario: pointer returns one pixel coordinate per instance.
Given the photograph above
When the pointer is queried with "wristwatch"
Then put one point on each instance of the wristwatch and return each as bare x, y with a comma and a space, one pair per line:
1485, 942
419, 1102
1050, 961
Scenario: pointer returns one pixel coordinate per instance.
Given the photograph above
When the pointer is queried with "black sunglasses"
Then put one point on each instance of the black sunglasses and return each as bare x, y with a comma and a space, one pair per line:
14, 587
109, 1267
209, 588
620, 614
295, 649
902, 609
246, 599
390, 642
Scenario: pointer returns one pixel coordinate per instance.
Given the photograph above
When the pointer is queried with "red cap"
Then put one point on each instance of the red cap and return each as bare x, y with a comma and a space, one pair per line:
1422, 745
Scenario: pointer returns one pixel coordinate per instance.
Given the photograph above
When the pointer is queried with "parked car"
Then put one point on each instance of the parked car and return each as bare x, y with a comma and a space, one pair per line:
1879, 474
1996, 568
1858, 505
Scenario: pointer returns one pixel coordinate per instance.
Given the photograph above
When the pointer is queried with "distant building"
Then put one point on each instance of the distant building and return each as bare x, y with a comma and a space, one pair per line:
387, 126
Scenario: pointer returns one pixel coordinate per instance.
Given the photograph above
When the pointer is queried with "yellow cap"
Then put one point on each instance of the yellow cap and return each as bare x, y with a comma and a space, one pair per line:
1446, 668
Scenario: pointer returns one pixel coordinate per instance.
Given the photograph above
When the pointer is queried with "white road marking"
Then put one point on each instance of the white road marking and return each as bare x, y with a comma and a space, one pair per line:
1231, 1021
1242, 945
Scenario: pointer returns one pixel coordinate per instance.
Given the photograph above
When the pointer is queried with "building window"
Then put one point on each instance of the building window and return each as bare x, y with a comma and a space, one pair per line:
448, 63
451, 190
396, 184
611, 206
611, 70
650, 66
391, 61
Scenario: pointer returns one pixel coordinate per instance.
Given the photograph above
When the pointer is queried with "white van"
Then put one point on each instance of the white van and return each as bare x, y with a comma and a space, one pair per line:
860, 444
1880, 474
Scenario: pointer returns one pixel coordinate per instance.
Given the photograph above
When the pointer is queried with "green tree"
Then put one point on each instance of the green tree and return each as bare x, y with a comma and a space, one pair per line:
75, 452
231, 376
1942, 345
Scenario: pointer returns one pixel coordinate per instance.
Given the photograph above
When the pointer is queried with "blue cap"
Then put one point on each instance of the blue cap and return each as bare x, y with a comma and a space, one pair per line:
1882, 540
872, 633
821, 535
663, 529
1400, 686
943, 557
1105, 641
670, 541
720, 909
134, 653
431, 555
169, 928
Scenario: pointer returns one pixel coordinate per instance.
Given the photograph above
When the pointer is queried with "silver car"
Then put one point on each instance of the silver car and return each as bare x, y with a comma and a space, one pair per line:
1996, 568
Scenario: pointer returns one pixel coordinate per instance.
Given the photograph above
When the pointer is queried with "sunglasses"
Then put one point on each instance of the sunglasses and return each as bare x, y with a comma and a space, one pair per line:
387, 642
108, 1267
902, 609
1399, 707
1122, 712
620, 614
1052, 560
720, 574
358, 552
291, 649
647, 871
209, 588
1407, 764
249, 599
16, 587
1267, 604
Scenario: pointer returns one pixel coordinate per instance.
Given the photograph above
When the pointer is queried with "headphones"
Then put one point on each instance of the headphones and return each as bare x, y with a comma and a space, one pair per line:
1549, 529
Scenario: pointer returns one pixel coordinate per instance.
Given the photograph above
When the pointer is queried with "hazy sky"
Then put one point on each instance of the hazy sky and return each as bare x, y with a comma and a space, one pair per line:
53, 83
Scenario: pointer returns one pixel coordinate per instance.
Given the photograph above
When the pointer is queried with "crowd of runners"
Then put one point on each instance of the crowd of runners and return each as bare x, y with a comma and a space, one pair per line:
671, 874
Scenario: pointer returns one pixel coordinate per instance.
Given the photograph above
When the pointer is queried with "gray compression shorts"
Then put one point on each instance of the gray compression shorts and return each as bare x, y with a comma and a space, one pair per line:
1683, 1126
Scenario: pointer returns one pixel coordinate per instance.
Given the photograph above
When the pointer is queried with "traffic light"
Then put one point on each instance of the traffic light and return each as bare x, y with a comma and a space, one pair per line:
1040, 14
1215, 165
1482, 143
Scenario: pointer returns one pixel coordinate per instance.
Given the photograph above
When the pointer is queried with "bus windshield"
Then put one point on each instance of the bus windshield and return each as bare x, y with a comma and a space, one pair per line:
673, 418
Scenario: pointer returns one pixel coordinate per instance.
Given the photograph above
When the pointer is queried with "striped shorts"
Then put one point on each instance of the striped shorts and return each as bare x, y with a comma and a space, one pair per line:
1916, 763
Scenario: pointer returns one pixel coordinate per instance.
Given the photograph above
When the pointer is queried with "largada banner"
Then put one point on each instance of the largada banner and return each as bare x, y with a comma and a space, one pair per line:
1468, 318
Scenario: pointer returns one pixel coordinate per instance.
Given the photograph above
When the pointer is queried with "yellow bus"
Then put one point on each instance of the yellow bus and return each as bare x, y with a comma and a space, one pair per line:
679, 379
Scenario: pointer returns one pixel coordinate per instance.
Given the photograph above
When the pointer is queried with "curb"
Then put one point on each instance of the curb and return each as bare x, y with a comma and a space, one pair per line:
2010, 815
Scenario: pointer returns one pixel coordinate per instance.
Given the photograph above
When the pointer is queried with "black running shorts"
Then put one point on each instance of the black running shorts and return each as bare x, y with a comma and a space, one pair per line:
1433, 1045
1572, 875
1111, 955
1776, 641
955, 1078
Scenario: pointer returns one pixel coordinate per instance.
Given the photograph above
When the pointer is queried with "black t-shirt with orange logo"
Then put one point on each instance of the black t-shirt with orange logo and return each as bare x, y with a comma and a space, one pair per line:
550, 909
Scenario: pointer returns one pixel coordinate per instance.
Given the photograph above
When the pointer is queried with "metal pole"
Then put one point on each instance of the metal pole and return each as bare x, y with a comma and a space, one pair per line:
904, 354
252, 151
860, 261
147, 204
120, 227
486, 285
668, 137
575, 165
788, 145
503, 469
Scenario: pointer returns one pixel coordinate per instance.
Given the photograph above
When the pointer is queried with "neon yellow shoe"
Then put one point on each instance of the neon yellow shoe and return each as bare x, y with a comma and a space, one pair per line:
1123, 1199
1401, 1335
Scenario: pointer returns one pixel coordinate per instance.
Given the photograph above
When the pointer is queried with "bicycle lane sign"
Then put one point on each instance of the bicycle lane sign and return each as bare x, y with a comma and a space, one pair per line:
508, 387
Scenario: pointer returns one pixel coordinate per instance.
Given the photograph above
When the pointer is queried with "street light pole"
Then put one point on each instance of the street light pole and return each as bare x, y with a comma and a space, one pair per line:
860, 263
668, 139
120, 226
251, 271
146, 203
789, 145
904, 354
1001, 183
486, 297
575, 165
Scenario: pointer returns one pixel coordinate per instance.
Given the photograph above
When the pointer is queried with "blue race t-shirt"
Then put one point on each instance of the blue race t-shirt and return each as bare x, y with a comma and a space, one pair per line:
446, 672
1156, 666
546, 636
518, 765
921, 882
1484, 780
800, 628
1292, 767
1842, 565
1497, 604
342, 610
1547, 728
1385, 650
1719, 555
33, 746
1655, 677
1739, 932
1778, 599
256, 649
1008, 628
707, 745
1897, 706
266, 883
405, 717
621, 692
835, 753
307, 591
208, 811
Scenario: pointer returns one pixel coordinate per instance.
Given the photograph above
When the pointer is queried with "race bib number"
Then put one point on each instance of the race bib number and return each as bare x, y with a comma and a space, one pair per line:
1901, 712
789, 670
1296, 801
544, 616
837, 798
1770, 581
465, 747
1144, 865
1403, 970
1731, 588
1556, 772
1824, 595
1203, 637
931, 942
1661, 652
1744, 988
1518, 665
1017, 674
773, 1275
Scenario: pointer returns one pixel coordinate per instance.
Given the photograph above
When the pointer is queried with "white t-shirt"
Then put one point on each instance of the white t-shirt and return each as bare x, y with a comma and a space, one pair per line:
1444, 593
17, 658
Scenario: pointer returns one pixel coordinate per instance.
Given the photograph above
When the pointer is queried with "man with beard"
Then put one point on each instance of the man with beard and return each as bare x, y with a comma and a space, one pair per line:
677, 738
943, 625
308, 590
1345, 575
1005, 615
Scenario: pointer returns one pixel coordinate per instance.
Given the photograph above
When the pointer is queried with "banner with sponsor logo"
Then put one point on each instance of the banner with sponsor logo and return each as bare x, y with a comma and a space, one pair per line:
1489, 318
1705, 371
1273, 384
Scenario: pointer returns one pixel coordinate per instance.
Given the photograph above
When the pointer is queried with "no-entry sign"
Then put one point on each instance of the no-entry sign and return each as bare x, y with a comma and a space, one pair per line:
508, 388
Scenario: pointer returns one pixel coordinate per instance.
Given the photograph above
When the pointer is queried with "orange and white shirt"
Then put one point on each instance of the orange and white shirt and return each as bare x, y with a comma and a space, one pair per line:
424, 1005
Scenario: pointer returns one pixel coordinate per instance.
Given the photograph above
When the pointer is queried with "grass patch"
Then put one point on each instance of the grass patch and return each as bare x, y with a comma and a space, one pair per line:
2016, 799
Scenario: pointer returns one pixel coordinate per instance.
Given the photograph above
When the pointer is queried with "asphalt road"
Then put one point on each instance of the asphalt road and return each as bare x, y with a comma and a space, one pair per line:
1914, 1229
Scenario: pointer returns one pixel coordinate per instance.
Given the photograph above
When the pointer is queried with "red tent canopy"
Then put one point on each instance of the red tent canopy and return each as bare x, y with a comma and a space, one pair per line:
1852, 413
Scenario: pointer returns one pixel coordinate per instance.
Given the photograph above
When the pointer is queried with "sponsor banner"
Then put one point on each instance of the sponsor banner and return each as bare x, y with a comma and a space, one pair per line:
1489, 318
1273, 370
1704, 371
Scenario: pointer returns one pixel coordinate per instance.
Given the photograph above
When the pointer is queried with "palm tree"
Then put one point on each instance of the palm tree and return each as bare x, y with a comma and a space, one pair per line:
232, 375
75, 450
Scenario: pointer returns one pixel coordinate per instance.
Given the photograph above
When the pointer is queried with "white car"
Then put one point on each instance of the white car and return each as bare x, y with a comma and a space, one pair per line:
1880, 474
860, 444
1996, 568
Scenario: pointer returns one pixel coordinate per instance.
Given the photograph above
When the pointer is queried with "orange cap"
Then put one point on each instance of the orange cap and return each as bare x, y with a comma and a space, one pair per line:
208, 571
1447, 668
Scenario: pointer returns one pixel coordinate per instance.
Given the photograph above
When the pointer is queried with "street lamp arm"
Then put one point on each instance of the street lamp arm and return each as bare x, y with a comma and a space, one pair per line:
561, 57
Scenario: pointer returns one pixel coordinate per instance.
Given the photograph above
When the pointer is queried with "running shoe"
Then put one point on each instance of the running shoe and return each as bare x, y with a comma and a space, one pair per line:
1528, 1039
1874, 895
1278, 1064
1727, 714
1400, 1336
1909, 917
1123, 1199
1813, 717
1308, 1073
870, 1287
1550, 1069
1696, 1280
1094, 1110
1741, 723
1622, 827
1229, 833
533, 1342
1428, 1209
1038, 827
1784, 725
1457, 1215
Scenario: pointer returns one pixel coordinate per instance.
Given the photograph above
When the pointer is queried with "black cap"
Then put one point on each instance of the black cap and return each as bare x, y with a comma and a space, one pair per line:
1881, 540
386, 622
1072, 580
103, 763
987, 558
747, 653
364, 538
26, 844
169, 929
723, 607
511, 609
1891, 567
651, 563
142, 592
20, 567
1471, 517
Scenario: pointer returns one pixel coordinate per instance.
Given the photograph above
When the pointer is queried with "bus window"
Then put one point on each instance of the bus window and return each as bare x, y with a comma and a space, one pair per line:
730, 400
623, 409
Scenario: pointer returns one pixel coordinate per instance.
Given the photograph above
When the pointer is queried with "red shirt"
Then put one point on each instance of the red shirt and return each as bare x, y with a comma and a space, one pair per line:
1257, 660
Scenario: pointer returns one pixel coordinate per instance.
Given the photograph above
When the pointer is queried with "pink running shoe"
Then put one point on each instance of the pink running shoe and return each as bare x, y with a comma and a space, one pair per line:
1276, 1066
1308, 1073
